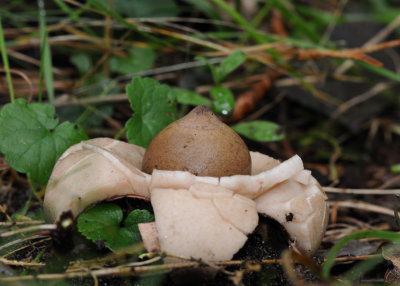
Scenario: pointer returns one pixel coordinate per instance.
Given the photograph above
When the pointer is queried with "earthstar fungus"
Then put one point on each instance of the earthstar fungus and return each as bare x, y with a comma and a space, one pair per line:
196, 216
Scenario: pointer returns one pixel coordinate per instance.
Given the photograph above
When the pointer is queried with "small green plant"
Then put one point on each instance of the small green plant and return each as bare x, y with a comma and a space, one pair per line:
32, 139
103, 223
223, 99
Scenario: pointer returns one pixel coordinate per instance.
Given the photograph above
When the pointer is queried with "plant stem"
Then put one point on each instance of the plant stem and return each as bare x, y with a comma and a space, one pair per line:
5, 62
47, 63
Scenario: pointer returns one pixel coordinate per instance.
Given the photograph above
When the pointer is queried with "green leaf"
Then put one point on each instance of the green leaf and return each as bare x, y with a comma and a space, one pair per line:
184, 96
136, 217
212, 67
82, 62
263, 131
395, 168
103, 223
32, 140
138, 60
229, 64
224, 102
154, 107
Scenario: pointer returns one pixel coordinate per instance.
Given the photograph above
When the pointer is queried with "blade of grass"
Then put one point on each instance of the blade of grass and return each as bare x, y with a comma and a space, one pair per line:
120, 133
380, 71
40, 93
137, 28
257, 20
241, 21
5, 63
301, 25
381, 234
261, 15
74, 15
114, 15
319, 16
206, 7
47, 63
362, 268
134, 25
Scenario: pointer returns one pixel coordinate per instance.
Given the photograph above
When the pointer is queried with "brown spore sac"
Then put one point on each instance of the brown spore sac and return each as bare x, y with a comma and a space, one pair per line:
198, 143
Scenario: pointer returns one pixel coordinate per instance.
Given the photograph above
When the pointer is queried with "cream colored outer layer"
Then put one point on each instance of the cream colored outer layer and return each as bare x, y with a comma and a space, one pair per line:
298, 204
205, 221
93, 171
199, 217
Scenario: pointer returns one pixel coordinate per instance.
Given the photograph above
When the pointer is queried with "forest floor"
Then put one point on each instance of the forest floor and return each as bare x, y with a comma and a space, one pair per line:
339, 110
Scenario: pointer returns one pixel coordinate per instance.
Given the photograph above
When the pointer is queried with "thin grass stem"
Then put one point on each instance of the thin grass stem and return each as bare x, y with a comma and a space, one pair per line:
5, 63
241, 21
47, 63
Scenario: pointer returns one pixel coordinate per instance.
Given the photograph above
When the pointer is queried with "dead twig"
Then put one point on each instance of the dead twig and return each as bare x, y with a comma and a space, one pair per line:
21, 263
18, 223
355, 53
21, 240
28, 229
247, 101
26, 79
132, 270
374, 91
361, 191
380, 36
363, 206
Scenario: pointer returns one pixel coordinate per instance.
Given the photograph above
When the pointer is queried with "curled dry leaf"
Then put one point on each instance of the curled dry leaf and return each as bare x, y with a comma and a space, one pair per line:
199, 217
